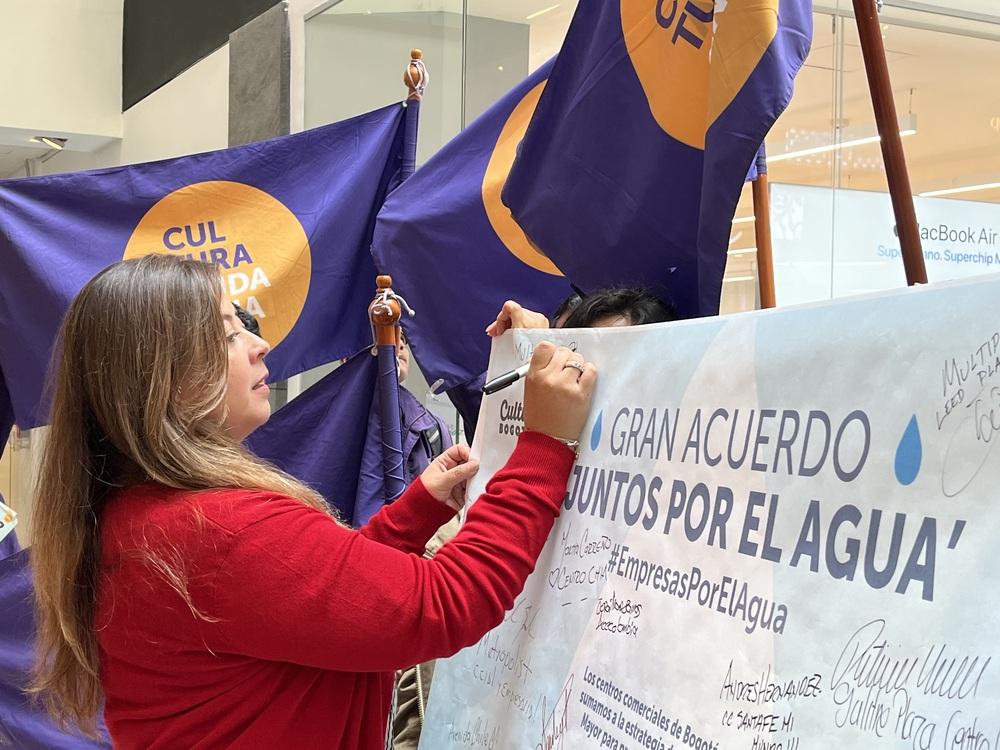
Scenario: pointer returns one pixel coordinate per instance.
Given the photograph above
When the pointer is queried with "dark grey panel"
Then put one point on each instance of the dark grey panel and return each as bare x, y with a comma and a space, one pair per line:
259, 71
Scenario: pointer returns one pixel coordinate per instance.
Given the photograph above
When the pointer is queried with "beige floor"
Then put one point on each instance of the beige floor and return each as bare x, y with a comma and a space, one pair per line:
5, 478
17, 477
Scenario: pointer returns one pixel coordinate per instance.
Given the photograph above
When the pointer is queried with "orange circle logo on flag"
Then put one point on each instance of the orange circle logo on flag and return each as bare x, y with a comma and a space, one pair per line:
258, 244
502, 159
693, 56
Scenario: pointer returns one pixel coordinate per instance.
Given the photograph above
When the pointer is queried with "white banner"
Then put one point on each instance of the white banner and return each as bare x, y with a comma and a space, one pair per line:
832, 243
781, 532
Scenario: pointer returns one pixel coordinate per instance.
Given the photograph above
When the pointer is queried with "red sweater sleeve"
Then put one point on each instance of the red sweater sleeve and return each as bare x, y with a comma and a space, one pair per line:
410, 522
294, 586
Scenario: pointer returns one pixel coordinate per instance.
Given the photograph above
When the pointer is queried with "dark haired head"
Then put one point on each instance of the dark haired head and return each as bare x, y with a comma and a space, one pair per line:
248, 320
630, 305
568, 305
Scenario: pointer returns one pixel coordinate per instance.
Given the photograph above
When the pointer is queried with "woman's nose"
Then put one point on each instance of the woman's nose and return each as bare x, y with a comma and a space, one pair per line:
260, 347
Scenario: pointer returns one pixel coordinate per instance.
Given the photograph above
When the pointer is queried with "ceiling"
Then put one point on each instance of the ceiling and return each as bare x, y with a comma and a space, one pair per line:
12, 158
16, 147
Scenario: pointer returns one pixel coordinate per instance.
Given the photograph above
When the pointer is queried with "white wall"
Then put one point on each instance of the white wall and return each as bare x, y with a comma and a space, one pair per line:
61, 63
61, 75
337, 87
186, 116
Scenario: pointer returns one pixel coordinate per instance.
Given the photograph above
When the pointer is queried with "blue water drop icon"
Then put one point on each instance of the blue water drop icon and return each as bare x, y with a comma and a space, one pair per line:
909, 453
595, 434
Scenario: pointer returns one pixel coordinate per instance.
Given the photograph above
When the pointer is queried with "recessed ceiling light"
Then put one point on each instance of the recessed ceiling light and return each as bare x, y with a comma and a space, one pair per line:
834, 147
57, 143
966, 189
542, 12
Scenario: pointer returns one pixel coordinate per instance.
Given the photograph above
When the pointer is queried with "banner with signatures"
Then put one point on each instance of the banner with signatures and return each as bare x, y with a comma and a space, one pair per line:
781, 532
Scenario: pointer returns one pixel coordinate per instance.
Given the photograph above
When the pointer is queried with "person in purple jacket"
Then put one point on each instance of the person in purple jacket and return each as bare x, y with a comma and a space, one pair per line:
425, 436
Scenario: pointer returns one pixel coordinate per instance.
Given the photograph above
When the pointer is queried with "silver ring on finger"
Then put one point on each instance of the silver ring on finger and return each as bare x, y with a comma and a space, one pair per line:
578, 366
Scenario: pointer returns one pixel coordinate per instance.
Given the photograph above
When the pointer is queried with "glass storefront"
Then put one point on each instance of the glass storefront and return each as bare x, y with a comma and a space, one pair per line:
833, 240
838, 236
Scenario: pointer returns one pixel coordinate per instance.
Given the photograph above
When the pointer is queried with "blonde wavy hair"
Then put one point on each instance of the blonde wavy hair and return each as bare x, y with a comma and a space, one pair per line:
139, 394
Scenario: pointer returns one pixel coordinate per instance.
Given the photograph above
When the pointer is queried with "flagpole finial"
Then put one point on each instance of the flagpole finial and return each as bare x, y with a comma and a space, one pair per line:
415, 76
385, 312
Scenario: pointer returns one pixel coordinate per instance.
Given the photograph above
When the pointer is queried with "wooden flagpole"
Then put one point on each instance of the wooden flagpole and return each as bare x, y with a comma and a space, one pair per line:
870, 33
762, 234
384, 312
387, 308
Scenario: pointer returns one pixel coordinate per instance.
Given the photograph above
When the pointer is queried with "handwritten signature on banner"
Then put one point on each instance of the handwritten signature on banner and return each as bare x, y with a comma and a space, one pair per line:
556, 721
503, 663
972, 370
760, 714
970, 445
524, 348
971, 406
877, 689
583, 562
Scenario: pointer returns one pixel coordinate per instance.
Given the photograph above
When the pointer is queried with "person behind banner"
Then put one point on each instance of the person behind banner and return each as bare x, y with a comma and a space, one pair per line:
567, 306
206, 599
607, 308
248, 320
633, 306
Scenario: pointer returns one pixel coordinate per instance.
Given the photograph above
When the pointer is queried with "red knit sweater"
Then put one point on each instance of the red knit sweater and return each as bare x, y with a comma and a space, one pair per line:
306, 619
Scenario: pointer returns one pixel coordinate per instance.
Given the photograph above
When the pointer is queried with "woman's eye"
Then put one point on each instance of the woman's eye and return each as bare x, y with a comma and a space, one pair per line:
232, 337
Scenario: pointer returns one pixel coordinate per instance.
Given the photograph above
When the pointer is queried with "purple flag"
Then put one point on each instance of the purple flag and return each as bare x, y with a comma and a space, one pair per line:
319, 437
330, 437
287, 220
455, 253
423, 434
389, 433
633, 163
24, 724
